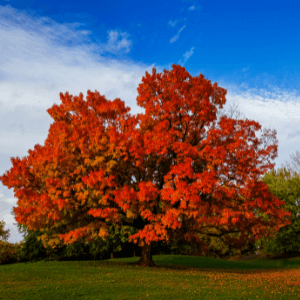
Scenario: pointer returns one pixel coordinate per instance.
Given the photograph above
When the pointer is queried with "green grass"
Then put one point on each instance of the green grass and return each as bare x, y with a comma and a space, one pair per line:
176, 277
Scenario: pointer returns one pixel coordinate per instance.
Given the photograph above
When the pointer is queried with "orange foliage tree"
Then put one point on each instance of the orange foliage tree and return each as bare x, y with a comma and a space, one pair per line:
181, 170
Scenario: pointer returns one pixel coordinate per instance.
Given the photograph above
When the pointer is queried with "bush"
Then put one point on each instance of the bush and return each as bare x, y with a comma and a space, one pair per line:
32, 249
9, 253
76, 251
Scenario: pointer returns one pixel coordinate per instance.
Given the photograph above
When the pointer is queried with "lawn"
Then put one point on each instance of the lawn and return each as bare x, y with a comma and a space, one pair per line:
176, 277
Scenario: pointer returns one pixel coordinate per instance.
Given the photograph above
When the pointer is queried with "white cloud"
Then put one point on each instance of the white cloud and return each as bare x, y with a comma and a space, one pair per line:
9, 219
186, 56
10, 200
175, 38
116, 46
173, 23
192, 7
245, 69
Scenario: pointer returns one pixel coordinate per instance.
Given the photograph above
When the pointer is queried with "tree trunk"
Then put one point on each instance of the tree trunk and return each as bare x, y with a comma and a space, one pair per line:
133, 252
146, 257
111, 255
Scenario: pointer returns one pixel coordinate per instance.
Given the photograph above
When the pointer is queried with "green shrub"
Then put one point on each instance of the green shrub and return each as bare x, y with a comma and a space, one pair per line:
32, 249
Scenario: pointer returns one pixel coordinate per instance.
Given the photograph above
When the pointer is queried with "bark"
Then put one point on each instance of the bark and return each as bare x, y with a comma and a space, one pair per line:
146, 257
111, 255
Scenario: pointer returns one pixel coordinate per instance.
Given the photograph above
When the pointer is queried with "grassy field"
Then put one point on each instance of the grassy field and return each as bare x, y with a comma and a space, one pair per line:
176, 277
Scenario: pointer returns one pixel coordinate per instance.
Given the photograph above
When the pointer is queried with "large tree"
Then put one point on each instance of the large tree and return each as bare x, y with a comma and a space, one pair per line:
180, 171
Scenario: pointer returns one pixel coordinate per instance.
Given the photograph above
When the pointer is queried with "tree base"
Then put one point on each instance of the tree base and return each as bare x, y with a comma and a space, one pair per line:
146, 257
143, 264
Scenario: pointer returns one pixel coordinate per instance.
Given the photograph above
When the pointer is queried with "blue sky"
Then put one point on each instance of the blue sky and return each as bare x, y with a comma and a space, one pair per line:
251, 48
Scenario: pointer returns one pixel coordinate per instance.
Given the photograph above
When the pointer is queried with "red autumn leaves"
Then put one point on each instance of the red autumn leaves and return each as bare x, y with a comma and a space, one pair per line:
98, 168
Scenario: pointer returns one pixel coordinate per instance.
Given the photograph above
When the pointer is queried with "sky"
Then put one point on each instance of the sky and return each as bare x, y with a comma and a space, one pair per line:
251, 48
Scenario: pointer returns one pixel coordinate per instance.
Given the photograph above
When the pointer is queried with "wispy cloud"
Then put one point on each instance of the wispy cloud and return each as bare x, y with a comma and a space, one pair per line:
113, 45
175, 38
192, 7
48, 31
186, 56
245, 69
173, 23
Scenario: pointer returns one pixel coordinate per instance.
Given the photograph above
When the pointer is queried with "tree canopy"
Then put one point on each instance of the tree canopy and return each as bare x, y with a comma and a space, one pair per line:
181, 170
286, 186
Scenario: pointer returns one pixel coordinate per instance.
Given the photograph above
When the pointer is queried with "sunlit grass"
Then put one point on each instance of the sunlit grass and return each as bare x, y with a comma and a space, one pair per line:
176, 277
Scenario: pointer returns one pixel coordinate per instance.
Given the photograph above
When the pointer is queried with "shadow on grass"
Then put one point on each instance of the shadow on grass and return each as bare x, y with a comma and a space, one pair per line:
196, 263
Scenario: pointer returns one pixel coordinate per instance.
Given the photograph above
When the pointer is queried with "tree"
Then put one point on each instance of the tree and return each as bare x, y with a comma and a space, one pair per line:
178, 174
286, 187
4, 234
294, 167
